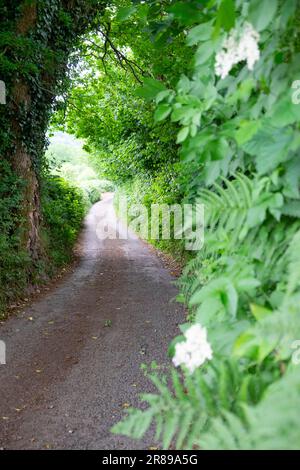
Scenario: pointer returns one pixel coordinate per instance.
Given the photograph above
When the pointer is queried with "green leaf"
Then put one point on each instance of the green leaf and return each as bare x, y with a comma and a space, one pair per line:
262, 12
260, 312
226, 15
182, 135
204, 52
285, 112
218, 148
246, 131
162, 95
292, 208
150, 89
246, 345
269, 146
125, 12
199, 33
231, 299
184, 85
185, 13
162, 112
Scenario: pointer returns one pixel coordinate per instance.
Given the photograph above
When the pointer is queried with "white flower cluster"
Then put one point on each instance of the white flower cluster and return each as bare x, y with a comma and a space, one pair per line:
193, 352
238, 46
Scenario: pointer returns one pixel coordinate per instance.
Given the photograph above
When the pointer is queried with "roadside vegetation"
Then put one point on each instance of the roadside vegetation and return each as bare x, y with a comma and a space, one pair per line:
63, 209
196, 102
214, 120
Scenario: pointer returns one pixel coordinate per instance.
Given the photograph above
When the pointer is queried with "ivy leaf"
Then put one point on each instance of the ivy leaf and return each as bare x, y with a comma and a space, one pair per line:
262, 12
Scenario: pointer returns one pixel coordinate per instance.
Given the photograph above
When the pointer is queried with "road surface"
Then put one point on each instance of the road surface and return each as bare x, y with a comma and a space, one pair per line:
73, 356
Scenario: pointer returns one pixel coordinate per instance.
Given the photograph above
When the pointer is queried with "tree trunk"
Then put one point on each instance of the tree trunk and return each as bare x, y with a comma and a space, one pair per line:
21, 159
23, 166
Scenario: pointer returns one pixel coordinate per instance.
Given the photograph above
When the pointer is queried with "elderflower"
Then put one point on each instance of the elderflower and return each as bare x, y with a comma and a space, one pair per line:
193, 352
238, 47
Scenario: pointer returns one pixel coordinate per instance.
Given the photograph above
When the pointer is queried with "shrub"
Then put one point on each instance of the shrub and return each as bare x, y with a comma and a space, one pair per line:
63, 211
14, 262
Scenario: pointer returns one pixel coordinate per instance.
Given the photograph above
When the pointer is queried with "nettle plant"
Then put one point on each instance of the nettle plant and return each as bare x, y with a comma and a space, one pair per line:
238, 131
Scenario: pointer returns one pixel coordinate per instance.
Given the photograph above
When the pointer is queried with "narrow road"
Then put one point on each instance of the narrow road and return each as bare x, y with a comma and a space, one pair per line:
73, 357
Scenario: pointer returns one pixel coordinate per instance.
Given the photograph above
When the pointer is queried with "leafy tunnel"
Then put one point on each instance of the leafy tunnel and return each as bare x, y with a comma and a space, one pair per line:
177, 102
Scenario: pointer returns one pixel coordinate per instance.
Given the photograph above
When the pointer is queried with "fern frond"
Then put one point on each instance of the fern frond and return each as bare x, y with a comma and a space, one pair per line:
238, 205
182, 413
272, 424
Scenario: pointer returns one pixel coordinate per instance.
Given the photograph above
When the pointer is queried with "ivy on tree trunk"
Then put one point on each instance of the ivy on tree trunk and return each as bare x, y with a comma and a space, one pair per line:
34, 60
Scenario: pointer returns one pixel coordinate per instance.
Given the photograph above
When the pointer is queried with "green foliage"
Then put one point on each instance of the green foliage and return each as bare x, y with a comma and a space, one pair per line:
63, 211
239, 146
67, 159
183, 413
14, 262
38, 41
271, 425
